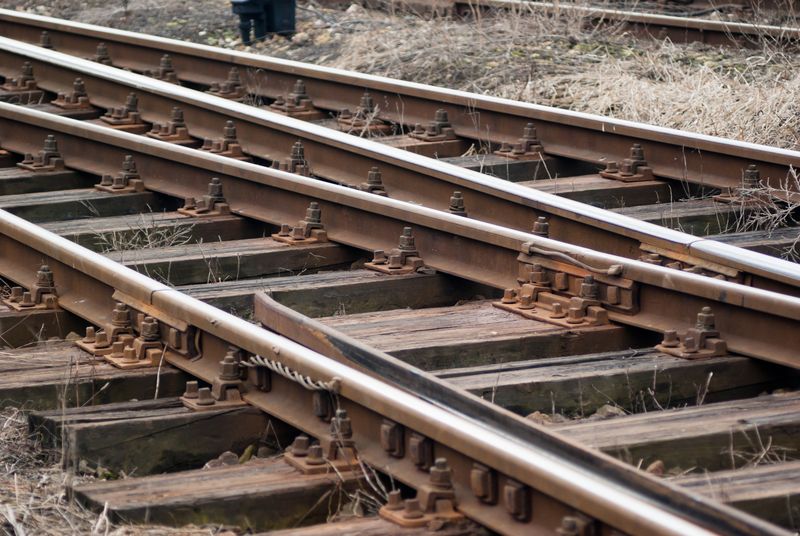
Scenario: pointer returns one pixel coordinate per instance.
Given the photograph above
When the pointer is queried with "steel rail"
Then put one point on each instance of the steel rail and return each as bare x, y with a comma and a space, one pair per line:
754, 322
673, 154
407, 176
675, 28
564, 476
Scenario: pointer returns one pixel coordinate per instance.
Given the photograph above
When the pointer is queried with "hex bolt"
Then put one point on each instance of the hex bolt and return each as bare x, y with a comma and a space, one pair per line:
612, 167
558, 311
690, 344
101, 54
27, 300
208, 144
395, 500
299, 447
101, 340
229, 368
215, 188
505, 147
367, 105
705, 319
204, 397
315, 455
526, 301
45, 41
298, 151
189, 203
299, 89
90, 336
313, 213
286, 230
16, 294
407, 240
176, 117
191, 389
589, 288
541, 227
379, 257
150, 331
166, 63
670, 339
441, 475
637, 153
120, 316
418, 129
412, 509
457, 205
106, 180
441, 116
529, 132
129, 355
229, 131
509, 296
341, 427
751, 178
574, 315
374, 177
118, 349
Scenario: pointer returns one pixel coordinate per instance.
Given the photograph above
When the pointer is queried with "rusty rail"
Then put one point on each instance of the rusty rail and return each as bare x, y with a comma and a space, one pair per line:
676, 28
348, 159
754, 322
562, 478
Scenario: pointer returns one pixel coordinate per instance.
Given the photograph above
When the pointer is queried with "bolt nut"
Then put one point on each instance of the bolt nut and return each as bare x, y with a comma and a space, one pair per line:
204, 397
191, 390
300, 446
412, 509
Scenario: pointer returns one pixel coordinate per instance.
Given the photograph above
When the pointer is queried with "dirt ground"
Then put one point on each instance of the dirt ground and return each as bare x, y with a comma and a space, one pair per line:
746, 94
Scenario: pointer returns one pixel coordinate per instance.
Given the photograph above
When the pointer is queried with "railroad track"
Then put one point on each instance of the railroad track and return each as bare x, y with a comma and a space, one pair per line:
681, 22
226, 247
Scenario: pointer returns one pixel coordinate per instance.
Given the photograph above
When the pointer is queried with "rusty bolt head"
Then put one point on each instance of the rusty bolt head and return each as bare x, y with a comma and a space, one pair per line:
101, 340
374, 177
44, 277
27, 300
106, 180
367, 104
670, 339
233, 76
505, 147
412, 509
558, 311
690, 344
341, 426
457, 205
229, 131
315, 455
526, 300
589, 288
45, 41
637, 153
299, 88
101, 52
166, 62
313, 213
120, 316
379, 257
407, 240
419, 129
298, 151
441, 116
705, 319
191, 389
132, 104
215, 188
574, 315
204, 397
529, 132
50, 144
509, 296
208, 144
395, 500
299, 447
79, 88
27, 70
541, 227
751, 177
129, 355
612, 167
229, 368
90, 336
176, 116
16, 294
441, 474
150, 329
